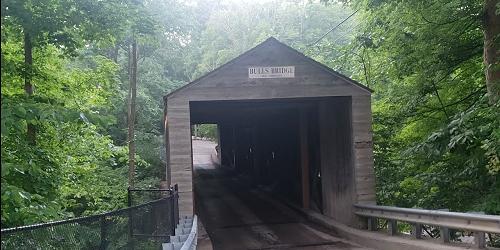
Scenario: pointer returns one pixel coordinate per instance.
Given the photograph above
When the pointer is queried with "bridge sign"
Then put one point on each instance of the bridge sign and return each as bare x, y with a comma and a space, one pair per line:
272, 72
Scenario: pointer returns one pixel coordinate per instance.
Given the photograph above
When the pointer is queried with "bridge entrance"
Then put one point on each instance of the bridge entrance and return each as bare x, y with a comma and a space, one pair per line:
286, 123
274, 143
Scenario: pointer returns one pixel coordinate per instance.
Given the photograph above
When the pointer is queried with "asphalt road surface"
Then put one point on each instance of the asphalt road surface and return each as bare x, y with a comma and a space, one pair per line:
237, 216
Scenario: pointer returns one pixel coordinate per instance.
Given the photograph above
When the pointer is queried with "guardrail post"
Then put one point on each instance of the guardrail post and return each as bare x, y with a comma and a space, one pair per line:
416, 231
372, 223
445, 221
392, 227
479, 239
445, 234
444, 231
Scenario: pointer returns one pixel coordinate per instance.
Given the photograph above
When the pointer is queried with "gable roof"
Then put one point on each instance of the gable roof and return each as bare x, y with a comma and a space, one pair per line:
274, 41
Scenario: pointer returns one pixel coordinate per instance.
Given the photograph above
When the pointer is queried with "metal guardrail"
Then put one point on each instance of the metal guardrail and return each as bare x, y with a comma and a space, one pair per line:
479, 224
466, 221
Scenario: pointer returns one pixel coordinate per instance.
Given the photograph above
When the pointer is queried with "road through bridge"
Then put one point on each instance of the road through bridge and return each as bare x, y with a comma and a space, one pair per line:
239, 216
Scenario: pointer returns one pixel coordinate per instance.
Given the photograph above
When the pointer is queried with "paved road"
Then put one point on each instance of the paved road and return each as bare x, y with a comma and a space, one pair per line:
202, 154
237, 216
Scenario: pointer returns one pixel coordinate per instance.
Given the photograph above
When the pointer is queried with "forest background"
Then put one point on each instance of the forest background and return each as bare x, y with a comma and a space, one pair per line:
66, 64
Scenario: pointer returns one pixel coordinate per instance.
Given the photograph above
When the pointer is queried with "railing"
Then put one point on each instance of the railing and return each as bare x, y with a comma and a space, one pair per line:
139, 196
144, 226
479, 224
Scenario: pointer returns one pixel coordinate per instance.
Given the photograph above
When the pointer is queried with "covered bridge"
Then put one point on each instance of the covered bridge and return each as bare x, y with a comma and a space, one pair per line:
283, 120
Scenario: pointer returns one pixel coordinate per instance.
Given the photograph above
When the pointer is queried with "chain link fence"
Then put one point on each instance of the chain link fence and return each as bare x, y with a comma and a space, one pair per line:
145, 225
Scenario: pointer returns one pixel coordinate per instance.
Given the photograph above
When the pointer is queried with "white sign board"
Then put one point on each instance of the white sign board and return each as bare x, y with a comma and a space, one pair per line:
272, 72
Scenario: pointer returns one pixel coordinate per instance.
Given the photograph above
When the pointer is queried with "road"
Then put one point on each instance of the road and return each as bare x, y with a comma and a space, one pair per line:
237, 216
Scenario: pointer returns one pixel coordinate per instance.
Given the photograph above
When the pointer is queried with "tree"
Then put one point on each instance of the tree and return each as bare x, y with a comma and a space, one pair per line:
436, 137
40, 44
67, 24
491, 48
131, 112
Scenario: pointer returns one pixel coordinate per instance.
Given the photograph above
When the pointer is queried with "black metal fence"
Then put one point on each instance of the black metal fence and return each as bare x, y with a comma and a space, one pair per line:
140, 226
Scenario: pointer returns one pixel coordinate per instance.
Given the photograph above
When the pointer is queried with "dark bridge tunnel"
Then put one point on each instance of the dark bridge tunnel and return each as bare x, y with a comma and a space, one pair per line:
275, 143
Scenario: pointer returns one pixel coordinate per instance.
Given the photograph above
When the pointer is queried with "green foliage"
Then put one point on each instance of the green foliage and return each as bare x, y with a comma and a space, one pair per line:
67, 24
296, 23
206, 131
436, 137
72, 168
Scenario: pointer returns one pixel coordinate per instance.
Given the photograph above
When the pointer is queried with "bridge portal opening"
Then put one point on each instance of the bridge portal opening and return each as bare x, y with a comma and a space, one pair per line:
276, 144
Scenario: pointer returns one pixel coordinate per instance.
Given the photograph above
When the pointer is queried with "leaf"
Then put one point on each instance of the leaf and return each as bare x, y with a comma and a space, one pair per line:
20, 111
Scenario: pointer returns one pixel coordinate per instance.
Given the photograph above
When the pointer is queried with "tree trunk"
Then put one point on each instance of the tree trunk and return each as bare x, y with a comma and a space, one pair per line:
491, 49
113, 52
131, 112
28, 86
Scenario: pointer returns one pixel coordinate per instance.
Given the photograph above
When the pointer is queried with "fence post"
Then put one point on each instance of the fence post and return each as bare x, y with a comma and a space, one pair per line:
104, 225
176, 204
129, 203
129, 197
130, 229
171, 211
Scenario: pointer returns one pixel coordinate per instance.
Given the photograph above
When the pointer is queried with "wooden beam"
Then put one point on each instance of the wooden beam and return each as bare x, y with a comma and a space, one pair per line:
304, 156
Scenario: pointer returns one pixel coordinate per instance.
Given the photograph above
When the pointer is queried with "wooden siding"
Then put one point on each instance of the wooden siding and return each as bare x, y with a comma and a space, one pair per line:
179, 153
363, 149
337, 173
231, 81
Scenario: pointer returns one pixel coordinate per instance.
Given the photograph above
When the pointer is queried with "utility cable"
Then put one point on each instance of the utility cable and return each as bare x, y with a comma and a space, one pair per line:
332, 29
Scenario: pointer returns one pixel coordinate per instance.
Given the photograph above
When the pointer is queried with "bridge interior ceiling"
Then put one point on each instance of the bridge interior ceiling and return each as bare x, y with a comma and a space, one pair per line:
276, 143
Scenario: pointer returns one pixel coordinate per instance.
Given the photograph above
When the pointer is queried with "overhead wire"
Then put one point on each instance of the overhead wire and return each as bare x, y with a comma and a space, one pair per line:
332, 29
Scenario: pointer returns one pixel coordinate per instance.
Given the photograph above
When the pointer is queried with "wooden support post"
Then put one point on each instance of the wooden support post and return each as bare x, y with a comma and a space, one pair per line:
416, 231
372, 224
304, 156
255, 155
392, 227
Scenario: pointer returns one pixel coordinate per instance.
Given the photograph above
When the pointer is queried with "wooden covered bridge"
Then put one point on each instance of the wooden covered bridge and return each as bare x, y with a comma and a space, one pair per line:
290, 123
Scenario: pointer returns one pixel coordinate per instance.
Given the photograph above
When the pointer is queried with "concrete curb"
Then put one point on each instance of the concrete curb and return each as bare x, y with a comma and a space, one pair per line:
204, 241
